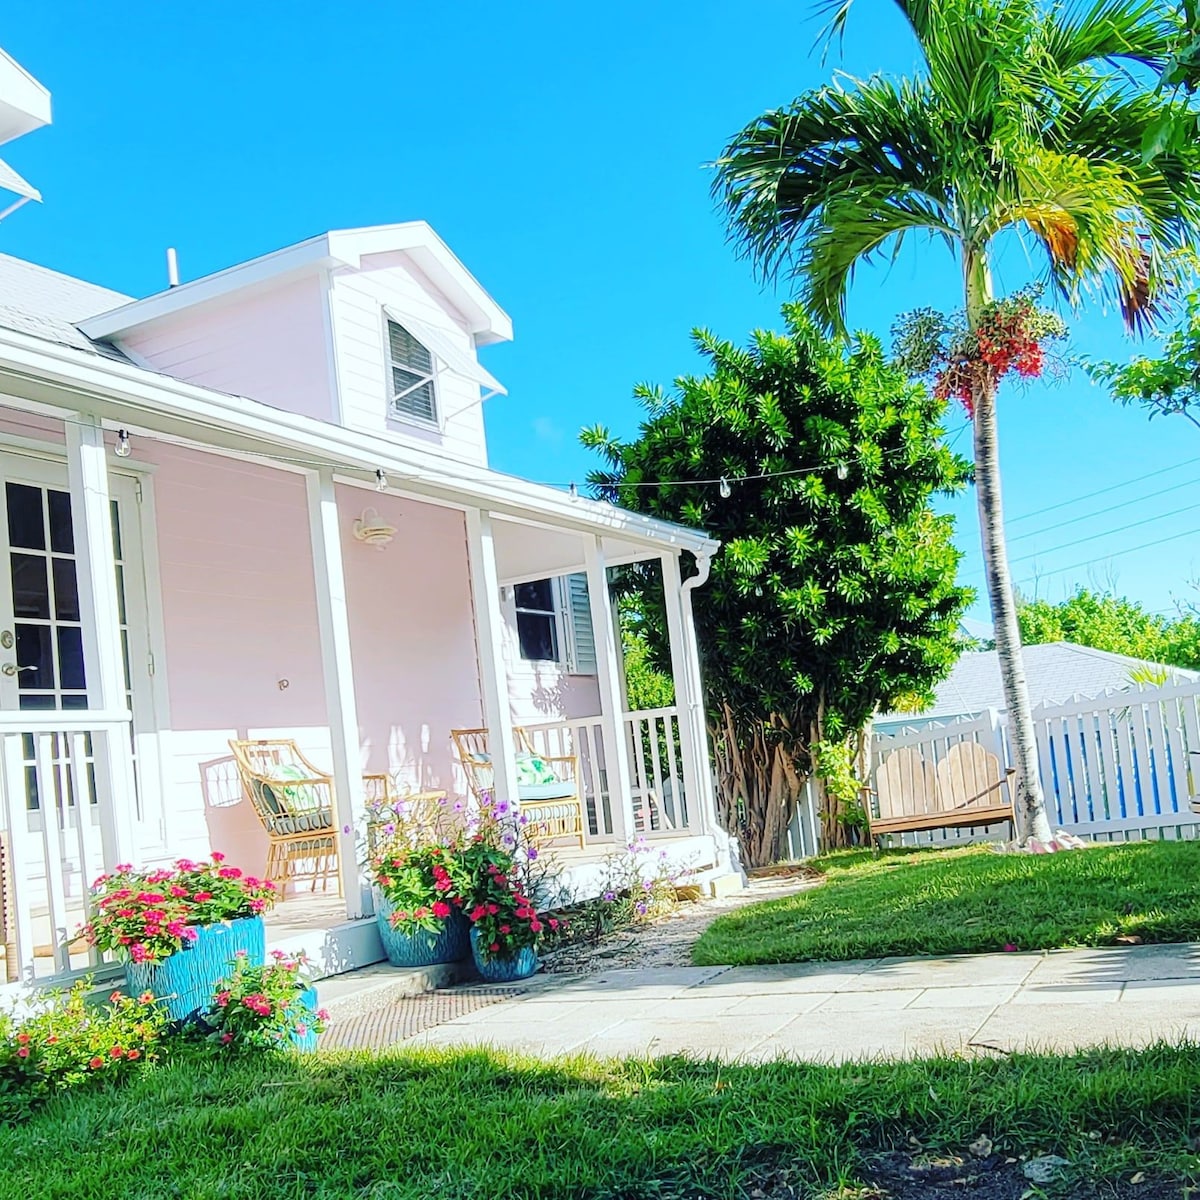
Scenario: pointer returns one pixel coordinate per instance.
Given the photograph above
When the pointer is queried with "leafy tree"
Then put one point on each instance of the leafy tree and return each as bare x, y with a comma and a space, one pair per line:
834, 590
645, 685
1168, 384
1113, 623
1026, 116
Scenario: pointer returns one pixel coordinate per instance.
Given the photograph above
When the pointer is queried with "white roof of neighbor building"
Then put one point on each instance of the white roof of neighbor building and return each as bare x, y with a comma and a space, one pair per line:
1055, 671
48, 304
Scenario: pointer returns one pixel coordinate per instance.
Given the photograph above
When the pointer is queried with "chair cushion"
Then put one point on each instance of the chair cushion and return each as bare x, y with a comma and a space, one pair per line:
532, 770
314, 822
300, 798
556, 789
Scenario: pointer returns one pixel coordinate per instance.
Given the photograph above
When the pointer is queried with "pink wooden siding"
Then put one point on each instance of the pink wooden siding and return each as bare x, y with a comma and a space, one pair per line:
268, 345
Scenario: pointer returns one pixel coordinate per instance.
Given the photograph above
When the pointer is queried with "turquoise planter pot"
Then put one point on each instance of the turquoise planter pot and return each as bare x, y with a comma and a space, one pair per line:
504, 970
185, 981
307, 1041
407, 947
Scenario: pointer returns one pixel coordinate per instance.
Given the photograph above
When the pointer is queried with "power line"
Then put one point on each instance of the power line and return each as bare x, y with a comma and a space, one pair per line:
1115, 554
1037, 512
1097, 513
1107, 532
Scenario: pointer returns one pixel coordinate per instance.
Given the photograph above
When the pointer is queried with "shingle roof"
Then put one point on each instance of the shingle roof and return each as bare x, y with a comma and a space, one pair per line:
47, 304
1055, 671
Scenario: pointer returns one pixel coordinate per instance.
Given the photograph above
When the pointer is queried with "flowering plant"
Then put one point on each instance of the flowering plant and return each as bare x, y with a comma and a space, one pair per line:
418, 882
498, 905
146, 916
263, 1007
70, 1041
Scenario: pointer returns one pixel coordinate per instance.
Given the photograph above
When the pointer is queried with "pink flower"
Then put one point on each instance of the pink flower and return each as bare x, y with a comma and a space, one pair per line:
230, 872
138, 952
322, 1014
536, 926
226, 1038
1010, 946
201, 897
441, 909
217, 858
178, 891
222, 999
301, 1030
97, 1062
23, 1052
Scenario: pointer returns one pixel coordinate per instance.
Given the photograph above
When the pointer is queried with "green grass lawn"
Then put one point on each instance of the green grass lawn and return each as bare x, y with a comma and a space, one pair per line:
969, 901
478, 1126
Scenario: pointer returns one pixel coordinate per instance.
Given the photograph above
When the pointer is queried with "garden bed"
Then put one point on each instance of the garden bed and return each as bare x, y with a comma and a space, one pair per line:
969, 901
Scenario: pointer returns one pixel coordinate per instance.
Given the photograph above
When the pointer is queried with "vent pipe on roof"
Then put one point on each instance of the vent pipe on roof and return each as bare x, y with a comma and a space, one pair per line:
172, 268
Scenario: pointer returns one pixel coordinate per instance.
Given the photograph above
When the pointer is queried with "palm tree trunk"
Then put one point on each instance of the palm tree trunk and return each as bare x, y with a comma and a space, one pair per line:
1029, 804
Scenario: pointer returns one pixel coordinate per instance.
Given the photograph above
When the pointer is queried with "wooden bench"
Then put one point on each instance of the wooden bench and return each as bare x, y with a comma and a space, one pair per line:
964, 790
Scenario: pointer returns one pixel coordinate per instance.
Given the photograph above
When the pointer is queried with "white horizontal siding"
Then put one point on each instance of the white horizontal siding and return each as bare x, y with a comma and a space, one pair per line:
357, 302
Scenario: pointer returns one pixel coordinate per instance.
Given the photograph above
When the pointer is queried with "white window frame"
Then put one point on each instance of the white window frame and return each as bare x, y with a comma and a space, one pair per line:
569, 653
393, 412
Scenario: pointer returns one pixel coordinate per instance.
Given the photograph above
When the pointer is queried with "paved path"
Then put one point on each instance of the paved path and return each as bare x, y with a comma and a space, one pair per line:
894, 1007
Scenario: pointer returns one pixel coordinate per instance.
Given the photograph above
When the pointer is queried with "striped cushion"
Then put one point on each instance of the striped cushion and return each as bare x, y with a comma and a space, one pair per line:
551, 812
314, 822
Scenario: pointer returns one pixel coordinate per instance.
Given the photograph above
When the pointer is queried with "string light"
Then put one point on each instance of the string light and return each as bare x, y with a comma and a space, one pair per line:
123, 448
381, 483
726, 490
574, 492
842, 470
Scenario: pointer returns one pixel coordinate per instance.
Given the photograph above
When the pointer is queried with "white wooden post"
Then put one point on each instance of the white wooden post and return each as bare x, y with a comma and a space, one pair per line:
618, 776
691, 663
688, 704
333, 622
103, 656
489, 633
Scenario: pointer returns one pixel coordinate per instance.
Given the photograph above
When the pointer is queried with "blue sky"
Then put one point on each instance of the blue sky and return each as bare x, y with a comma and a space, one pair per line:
559, 150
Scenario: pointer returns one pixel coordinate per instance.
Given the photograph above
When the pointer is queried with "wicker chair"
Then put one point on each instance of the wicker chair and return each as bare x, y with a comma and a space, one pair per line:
294, 802
554, 810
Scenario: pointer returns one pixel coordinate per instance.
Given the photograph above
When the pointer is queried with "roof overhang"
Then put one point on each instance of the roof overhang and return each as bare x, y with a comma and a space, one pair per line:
63, 380
24, 103
345, 248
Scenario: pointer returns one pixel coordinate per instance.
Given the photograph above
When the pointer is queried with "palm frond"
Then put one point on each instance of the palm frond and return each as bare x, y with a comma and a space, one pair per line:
1106, 31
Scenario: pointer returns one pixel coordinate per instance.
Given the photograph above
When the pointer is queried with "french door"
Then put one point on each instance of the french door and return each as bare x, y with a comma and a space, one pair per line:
42, 661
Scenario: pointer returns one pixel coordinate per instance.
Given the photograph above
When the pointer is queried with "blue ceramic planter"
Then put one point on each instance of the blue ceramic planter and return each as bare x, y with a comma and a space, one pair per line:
307, 1041
504, 970
185, 981
407, 947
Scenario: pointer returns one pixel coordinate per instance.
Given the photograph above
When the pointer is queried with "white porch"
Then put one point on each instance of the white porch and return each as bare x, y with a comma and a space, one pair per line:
91, 768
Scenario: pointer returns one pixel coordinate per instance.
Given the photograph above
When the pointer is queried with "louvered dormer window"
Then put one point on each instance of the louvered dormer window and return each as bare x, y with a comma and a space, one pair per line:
413, 392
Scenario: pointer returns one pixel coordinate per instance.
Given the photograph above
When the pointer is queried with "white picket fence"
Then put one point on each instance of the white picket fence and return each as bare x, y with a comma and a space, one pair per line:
1120, 766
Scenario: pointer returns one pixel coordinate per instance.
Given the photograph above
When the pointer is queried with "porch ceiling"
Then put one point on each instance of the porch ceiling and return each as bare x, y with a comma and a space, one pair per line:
526, 551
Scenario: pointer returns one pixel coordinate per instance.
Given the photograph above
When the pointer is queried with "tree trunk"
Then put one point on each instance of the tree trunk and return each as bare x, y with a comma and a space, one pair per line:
1029, 804
757, 784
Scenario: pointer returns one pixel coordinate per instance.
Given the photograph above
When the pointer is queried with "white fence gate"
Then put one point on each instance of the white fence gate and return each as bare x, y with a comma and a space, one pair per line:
1119, 766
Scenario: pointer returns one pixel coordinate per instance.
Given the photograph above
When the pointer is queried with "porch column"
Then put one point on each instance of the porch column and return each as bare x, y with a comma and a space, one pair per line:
100, 617
489, 634
618, 776
688, 702
333, 624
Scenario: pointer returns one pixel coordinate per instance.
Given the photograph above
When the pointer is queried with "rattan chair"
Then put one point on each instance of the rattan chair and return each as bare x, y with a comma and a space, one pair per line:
294, 801
554, 810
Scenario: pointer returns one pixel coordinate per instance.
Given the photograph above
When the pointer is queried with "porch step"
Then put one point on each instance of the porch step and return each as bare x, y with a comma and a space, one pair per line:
357, 992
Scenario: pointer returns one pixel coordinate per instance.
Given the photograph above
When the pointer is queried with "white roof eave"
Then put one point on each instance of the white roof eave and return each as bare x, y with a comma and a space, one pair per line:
68, 379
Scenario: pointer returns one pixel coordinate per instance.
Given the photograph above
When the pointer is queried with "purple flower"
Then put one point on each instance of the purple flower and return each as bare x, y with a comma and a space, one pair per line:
647, 886
501, 807
459, 806
390, 827
640, 908
531, 853
610, 896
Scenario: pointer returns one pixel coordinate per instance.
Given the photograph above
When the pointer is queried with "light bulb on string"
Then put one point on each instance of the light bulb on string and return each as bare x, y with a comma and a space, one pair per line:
843, 471
381, 482
573, 491
123, 448
725, 490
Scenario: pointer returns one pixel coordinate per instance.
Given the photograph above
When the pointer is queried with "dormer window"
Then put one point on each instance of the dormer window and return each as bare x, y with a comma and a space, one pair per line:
413, 393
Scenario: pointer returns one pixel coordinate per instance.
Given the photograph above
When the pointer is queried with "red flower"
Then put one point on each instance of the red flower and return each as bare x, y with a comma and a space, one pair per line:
178, 891
218, 858
441, 909
494, 947
230, 872
133, 1055
117, 1052
96, 1063
505, 929
22, 1039
536, 926
226, 1038
23, 1052
200, 897
553, 923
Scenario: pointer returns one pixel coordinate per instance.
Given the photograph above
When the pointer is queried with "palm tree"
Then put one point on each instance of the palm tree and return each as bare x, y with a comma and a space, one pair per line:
1026, 117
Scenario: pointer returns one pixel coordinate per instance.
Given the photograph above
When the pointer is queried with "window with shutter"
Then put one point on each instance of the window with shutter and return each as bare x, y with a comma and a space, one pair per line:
581, 659
413, 392
537, 621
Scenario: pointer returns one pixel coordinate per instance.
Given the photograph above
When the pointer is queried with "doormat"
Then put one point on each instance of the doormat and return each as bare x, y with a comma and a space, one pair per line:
410, 1015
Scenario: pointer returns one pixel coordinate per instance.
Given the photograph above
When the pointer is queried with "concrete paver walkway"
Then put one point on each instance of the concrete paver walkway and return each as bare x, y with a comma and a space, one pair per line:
1061, 1000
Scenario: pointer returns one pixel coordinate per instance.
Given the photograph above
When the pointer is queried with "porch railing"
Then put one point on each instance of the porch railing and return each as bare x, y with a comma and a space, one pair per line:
60, 828
660, 805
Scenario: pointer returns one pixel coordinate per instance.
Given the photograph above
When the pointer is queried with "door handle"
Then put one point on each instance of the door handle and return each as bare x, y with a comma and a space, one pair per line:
13, 669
